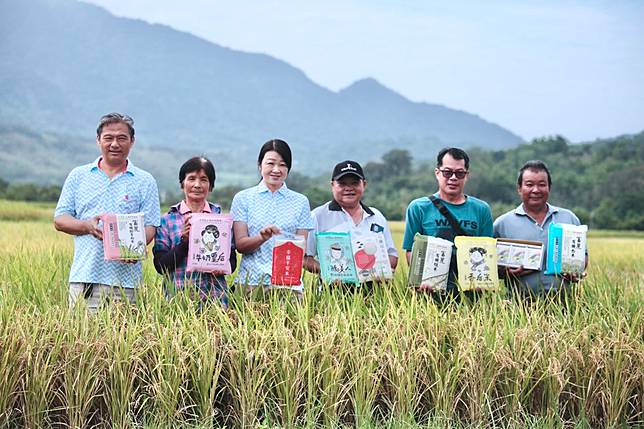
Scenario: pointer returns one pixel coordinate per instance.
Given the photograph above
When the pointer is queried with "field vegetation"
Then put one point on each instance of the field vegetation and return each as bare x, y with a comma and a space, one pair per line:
391, 359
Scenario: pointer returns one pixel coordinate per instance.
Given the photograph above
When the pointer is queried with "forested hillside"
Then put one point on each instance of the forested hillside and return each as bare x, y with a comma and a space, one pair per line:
603, 181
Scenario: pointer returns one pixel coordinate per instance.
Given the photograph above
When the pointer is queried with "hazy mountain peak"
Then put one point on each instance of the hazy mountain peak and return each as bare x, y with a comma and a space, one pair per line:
369, 85
61, 71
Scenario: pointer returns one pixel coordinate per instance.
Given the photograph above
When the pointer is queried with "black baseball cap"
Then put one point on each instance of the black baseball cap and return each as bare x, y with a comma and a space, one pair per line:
347, 167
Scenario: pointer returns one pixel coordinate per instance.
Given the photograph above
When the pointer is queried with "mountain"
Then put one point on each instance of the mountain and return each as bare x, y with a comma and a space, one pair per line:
64, 63
47, 158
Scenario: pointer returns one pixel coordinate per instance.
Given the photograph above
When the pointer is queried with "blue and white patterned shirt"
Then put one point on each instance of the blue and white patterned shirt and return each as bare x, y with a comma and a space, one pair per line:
88, 192
259, 207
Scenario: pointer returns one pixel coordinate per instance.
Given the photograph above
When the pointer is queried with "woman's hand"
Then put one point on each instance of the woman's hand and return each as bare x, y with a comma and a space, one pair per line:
268, 231
185, 230
246, 244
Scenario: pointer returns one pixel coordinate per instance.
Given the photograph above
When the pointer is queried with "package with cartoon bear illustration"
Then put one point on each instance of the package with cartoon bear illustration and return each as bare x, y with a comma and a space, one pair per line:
566, 248
288, 259
209, 242
477, 263
123, 236
336, 257
430, 260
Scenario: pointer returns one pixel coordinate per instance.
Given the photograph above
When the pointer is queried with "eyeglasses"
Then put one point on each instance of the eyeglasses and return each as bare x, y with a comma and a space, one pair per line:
447, 173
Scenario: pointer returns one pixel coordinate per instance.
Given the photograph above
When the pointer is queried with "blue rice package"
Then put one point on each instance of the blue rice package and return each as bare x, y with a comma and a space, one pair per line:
566, 248
336, 257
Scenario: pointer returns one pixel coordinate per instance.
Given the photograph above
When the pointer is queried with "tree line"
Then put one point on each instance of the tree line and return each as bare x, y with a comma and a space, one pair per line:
601, 182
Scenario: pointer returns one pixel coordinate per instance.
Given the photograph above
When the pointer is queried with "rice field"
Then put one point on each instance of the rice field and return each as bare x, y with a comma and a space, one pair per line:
392, 359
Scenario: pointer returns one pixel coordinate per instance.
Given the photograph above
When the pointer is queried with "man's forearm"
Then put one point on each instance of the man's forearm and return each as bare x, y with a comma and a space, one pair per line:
70, 225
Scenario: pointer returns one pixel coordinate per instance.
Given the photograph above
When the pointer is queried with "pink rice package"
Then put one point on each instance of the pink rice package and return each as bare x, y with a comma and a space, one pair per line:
209, 242
123, 236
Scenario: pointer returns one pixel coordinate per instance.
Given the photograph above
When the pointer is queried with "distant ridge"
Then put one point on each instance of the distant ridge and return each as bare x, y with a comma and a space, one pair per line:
64, 63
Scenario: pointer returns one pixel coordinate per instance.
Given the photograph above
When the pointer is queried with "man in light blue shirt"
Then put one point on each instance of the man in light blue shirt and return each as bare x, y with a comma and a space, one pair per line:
110, 184
530, 221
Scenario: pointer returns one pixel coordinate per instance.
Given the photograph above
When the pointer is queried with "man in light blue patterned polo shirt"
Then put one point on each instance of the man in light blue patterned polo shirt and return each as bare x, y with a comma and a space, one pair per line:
110, 184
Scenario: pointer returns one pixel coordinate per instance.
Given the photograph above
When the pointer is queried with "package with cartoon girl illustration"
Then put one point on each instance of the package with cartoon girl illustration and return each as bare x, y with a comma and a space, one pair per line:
209, 242
477, 263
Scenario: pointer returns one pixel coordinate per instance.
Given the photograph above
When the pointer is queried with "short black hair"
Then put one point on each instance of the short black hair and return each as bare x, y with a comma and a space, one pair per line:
115, 118
195, 164
534, 165
210, 228
481, 250
279, 146
455, 153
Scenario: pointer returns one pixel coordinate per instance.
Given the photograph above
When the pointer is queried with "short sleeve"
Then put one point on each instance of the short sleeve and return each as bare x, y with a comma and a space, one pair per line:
487, 224
391, 247
150, 203
496, 228
239, 208
67, 200
305, 220
411, 226
311, 241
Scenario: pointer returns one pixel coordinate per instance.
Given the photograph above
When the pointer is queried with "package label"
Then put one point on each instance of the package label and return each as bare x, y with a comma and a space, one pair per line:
430, 262
519, 253
477, 263
209, 242
566, 248
288, 259
336, 257
370, 256
123, 236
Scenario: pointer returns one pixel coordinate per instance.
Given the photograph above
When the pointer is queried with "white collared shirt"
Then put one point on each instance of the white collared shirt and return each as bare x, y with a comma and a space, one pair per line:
330, 217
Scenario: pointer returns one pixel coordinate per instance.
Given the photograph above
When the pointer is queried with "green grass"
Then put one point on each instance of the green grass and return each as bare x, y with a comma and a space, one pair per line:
390, 360
23, 211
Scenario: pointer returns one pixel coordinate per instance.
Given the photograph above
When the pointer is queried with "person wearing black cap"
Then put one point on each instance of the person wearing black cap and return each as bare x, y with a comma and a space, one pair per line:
346, 213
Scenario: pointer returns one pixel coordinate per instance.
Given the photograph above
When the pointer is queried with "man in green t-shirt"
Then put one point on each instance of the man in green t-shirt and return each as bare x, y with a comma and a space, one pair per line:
473, 215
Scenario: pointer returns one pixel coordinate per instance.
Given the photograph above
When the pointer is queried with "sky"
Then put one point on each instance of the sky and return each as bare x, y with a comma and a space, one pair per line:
539, 68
